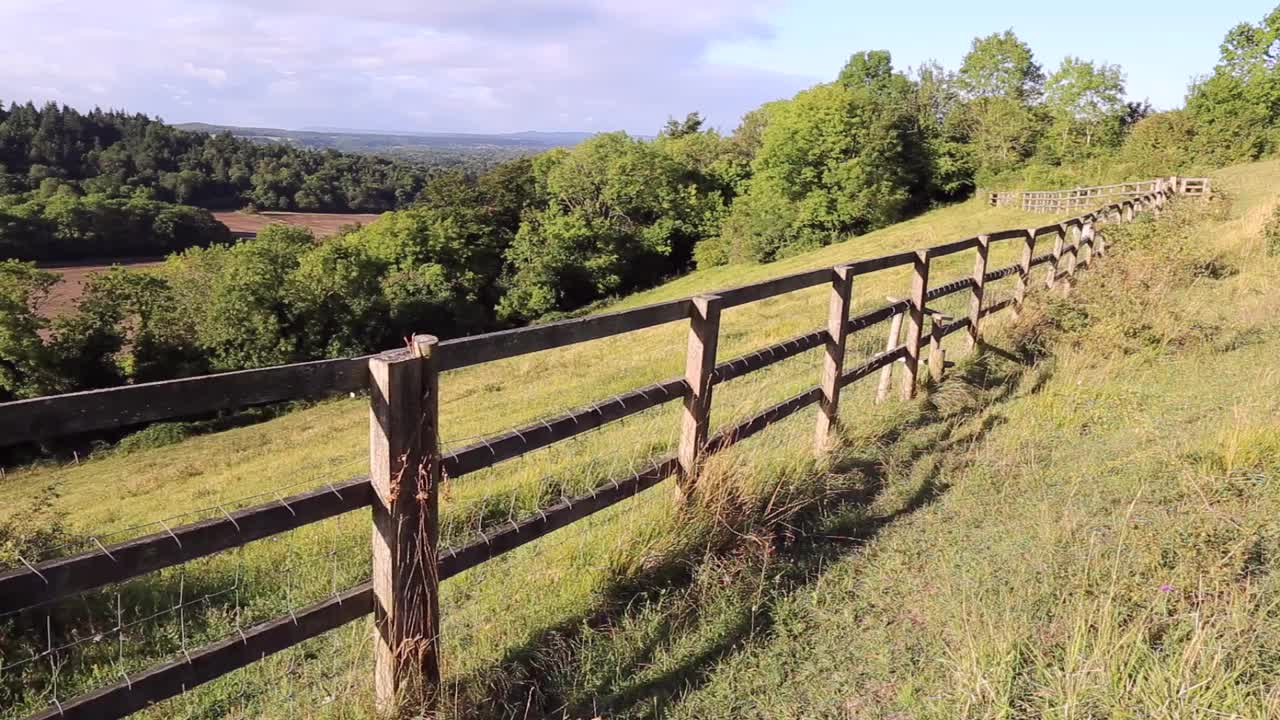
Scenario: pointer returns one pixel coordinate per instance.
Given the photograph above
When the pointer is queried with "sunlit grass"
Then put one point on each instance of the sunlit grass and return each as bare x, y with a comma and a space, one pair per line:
625, 610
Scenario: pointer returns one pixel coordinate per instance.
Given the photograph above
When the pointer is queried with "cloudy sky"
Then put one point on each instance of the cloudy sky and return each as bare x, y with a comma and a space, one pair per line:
494, 66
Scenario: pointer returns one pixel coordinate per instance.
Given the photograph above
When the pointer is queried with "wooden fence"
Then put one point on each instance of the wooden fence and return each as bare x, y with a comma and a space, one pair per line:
407, 467
1065, 201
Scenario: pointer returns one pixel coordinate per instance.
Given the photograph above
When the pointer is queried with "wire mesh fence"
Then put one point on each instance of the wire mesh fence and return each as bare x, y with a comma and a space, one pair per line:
499, 614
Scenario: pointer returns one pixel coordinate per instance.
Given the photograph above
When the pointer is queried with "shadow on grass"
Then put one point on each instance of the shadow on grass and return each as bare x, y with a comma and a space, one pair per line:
647, 620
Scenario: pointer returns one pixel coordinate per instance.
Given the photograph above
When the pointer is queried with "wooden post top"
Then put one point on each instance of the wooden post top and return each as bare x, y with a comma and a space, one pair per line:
418, 346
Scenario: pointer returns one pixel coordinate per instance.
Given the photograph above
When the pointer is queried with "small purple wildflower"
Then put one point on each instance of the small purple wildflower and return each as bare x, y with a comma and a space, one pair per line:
1166, 588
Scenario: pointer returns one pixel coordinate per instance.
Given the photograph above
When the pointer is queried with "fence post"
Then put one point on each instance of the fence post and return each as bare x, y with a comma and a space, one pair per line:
976, 291
833, 360
700, 361
1059, 238
1024, 271
404, 472
937, 356
1087, 238
915, 323
886, 373
1074, 257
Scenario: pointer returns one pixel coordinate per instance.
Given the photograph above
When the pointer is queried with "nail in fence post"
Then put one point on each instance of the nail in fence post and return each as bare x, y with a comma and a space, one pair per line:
1051, 277
976, 291
404, 471
833, 360
704, 335
915, 323
886, 373
1024, 271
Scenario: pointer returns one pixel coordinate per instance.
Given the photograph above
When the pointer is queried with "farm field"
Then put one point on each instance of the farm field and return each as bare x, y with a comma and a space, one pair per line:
74, 274
68, 290
1008, 534
322, 224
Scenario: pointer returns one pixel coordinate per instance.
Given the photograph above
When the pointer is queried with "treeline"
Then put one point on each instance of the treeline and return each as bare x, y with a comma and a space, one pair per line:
67, 226
117, 154
111, 184
539, 237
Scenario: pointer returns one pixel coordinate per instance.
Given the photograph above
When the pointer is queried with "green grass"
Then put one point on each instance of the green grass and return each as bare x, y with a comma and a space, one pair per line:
996, 549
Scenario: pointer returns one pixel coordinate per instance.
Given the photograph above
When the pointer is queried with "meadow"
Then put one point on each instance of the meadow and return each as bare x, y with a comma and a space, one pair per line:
974, 553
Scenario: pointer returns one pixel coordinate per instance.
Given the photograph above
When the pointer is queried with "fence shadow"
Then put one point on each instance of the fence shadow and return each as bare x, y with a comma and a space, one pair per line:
536, 679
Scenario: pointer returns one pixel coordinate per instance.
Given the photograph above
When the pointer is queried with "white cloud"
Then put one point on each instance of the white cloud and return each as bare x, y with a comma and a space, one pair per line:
481, 65
216, 77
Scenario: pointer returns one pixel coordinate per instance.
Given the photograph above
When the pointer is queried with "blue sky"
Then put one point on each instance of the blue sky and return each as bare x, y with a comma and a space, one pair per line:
1160, 46
511, 65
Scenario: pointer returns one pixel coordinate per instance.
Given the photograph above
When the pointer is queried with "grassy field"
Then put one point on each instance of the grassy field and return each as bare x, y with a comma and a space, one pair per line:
1085, 535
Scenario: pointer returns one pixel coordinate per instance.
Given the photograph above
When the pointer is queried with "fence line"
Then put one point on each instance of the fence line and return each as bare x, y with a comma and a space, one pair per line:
406, 466
1059, 201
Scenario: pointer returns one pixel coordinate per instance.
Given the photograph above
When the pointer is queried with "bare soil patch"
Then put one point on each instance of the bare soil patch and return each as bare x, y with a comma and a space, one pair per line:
74, 274
322, 224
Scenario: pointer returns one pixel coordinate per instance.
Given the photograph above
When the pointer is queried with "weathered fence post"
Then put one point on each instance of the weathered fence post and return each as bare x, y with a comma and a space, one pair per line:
1024, 271
1087, 238
404, 472
915, 322
700, 361
1073, 257
976, 290
886, 373
833, 360
937, 355
1051, 279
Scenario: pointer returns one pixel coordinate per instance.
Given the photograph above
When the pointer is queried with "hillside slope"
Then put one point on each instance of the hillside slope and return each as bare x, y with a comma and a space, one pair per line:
1102, 544
954, 558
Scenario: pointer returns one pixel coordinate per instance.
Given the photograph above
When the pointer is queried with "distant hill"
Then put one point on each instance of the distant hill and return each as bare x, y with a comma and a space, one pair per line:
349, 140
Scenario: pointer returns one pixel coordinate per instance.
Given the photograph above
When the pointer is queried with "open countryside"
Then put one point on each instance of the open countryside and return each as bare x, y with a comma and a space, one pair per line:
928, 391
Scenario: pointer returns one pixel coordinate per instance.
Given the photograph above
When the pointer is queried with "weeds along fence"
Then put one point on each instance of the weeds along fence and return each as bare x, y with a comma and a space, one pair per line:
407, 467
1065, 201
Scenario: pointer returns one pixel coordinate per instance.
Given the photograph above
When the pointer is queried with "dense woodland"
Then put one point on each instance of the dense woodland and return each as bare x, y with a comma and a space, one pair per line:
538, 237
110, 184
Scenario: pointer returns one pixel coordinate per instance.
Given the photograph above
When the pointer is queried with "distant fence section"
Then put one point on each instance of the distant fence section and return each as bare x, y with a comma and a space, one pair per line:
407, 467
1065, 201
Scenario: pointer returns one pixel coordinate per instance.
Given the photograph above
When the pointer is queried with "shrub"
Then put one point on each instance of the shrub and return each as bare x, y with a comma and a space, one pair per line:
154, 436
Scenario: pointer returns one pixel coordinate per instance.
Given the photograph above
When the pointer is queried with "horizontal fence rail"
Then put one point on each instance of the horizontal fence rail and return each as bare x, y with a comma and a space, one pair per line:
414, 373
1056, 201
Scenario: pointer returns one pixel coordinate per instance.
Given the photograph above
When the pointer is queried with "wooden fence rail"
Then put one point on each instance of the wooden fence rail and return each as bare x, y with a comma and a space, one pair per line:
1062, 201
406, 465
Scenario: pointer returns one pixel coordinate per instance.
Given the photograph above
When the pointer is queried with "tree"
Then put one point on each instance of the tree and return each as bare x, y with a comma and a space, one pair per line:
691, 124
1237, 108
1001, 66
618, 215
1086, 102
937, 109
837, 159
1159, 144
1000, 81
26, 363
235, 300
871, 69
